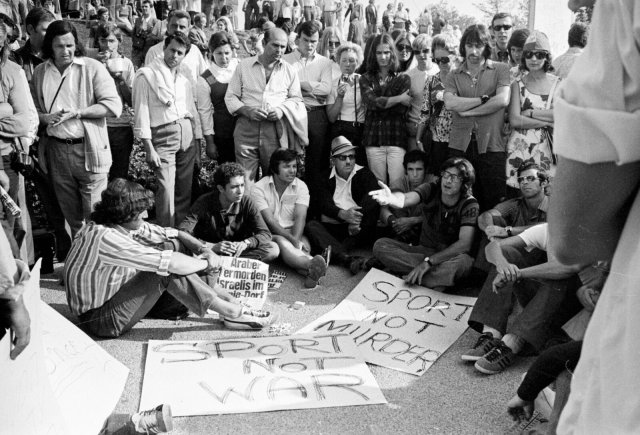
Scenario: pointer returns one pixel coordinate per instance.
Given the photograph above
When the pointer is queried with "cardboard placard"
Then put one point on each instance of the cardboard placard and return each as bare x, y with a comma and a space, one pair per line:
395, 325
257, 374
246, 279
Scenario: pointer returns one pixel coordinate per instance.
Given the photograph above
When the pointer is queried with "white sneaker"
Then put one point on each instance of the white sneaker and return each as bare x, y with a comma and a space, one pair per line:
152, 421
249, 319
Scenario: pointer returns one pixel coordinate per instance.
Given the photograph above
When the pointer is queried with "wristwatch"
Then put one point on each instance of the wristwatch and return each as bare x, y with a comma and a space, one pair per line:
428, 261
509, 231
484, 99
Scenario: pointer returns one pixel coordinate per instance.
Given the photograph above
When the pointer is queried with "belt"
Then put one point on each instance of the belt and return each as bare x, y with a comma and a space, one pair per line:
68, 141
314, 108
355, 124
177, 121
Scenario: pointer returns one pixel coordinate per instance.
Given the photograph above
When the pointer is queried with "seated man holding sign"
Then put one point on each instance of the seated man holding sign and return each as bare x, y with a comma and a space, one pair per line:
449, 215
283, 200
229, 220
119, 266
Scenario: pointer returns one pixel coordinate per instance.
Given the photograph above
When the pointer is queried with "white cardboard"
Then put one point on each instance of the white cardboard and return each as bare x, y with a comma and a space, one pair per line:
395, 325
257, 374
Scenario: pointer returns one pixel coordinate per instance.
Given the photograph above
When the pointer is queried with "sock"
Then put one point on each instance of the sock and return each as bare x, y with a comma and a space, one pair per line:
492, 331
513, 342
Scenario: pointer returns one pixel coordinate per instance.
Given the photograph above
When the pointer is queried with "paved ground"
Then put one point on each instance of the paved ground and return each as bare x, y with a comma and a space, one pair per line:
451, 397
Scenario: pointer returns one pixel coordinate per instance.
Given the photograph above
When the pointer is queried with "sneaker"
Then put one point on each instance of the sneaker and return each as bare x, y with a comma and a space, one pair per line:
485, 343
317, 269
157, 420
326, 254
249, 319
496, 360
357, 264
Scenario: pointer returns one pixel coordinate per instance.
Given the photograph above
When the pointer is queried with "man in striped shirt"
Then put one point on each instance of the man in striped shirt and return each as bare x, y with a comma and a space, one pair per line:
119, 266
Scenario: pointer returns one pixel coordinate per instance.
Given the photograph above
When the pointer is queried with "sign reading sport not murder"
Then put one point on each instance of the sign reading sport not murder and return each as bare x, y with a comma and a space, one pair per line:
394, 325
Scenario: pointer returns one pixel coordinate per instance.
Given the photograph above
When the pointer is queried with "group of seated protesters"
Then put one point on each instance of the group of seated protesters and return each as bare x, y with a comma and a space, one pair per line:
405, 148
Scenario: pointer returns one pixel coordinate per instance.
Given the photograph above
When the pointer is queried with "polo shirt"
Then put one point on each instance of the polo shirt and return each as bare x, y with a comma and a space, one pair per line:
488, 128
516, 213
265, 196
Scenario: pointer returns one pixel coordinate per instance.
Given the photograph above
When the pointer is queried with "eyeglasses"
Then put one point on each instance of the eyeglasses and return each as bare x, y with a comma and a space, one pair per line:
540, 55
442, 60
500, 27
446, 175
334, 43
528, 179
344, 157
403, 47
419, 52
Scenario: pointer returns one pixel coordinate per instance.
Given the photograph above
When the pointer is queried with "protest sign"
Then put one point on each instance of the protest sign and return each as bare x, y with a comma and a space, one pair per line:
246, 279
63, 383
395, 325
257, 374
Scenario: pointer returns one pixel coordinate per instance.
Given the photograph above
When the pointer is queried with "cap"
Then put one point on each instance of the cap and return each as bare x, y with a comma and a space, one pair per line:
341, 145
537, 41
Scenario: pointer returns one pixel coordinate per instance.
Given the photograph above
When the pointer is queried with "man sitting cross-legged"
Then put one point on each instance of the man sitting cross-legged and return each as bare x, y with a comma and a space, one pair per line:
229, 220
283, 200
349, 214
545, 290
119, 266
449, 215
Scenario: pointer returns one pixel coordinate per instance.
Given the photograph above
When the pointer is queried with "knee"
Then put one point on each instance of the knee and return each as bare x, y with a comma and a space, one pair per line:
381, 247
271, 252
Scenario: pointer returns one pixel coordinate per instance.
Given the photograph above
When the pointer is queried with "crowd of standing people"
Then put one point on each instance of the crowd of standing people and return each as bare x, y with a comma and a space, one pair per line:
432, 146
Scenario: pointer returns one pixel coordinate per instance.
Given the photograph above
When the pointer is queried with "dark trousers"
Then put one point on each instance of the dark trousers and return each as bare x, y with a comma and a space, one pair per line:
321, 235
439, 153
547, 304
317, 155
121, 143
491, 179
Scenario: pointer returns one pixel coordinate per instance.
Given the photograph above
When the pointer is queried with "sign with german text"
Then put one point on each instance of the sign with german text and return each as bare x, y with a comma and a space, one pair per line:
245, 279
257, 374
395, 325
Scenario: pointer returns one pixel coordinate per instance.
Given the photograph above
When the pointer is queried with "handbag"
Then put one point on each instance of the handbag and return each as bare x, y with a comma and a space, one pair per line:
21, 161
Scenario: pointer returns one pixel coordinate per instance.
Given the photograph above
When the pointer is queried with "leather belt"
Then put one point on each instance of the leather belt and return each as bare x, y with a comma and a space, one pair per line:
68, 141
314, 108
177, 121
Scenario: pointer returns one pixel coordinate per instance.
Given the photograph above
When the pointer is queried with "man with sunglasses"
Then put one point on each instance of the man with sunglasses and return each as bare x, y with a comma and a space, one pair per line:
449, 216
501, 29
348, 214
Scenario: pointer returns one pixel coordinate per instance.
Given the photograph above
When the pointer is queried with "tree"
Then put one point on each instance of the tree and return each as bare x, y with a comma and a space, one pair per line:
519, 10
451, 15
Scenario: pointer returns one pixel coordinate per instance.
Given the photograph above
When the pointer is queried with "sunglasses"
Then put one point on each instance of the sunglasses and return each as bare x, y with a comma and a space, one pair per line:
500, 27
442, 60
344, 157
528, 179
403, 47
419, 52
540, 55
334, 44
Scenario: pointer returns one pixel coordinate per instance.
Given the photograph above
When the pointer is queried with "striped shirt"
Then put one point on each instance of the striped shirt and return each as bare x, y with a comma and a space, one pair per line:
103, 258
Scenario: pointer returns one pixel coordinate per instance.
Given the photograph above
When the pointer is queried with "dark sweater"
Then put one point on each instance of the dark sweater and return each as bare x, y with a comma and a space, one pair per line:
205, 221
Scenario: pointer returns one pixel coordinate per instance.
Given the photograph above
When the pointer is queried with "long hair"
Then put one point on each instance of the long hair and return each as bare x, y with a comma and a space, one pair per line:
4, 44
372, 59
466, 170
323, 44
59, 28
474, 34
121, 202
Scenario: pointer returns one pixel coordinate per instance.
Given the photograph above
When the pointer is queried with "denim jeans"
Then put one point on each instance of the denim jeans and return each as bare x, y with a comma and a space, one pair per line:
386, 164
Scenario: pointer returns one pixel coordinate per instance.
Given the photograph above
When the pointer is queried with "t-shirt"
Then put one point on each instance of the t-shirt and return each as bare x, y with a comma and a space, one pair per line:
536, 237
441, 223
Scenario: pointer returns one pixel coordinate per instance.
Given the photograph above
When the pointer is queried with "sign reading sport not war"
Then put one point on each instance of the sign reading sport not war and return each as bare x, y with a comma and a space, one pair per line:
257, 374
395, 325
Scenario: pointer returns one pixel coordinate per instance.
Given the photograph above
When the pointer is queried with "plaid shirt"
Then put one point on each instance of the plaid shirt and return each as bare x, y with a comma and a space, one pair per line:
384, 127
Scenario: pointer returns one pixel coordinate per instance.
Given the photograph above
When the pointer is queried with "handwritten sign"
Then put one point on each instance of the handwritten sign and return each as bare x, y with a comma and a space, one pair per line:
246, 279
394, 325
257, 374
63, 383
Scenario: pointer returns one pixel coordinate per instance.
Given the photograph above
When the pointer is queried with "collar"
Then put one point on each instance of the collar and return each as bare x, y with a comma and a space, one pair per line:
298, 55
233, 209
255, 60
333, 173
489, 64
575, 50
77, 60
294, 183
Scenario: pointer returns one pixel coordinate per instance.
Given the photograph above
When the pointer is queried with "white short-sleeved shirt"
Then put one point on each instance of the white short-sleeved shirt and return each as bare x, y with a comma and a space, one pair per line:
536, 237
265, 196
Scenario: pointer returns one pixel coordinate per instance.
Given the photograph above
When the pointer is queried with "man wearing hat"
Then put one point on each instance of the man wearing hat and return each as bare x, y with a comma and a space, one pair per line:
348, 214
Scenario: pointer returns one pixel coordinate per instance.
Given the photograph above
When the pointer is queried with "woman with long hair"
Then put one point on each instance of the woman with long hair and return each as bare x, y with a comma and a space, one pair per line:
531, 112
404, 42
385, 94
217, 122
